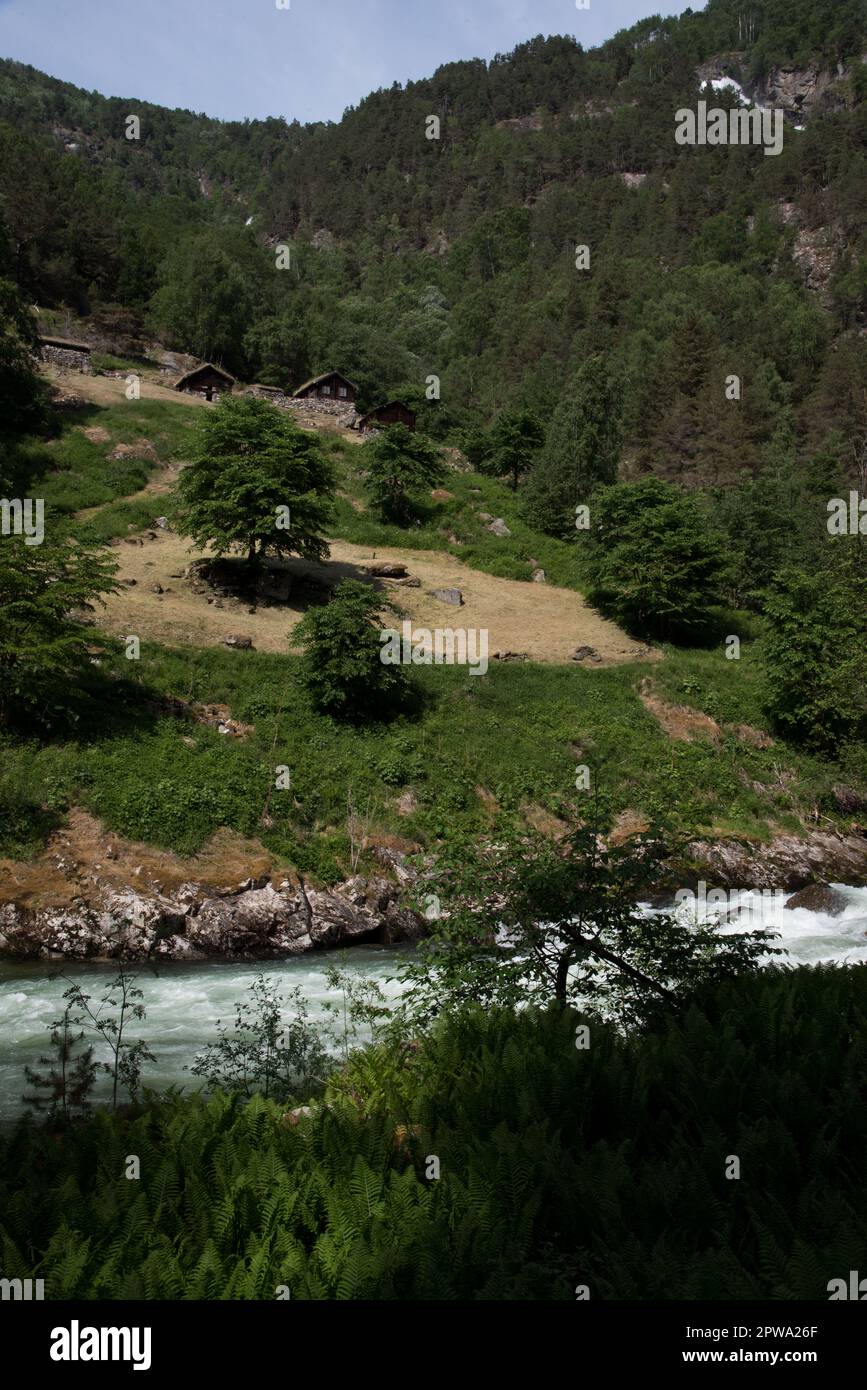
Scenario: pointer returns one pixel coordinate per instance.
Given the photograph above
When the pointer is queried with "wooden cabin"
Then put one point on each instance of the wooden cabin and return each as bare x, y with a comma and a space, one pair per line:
65, 352
207, 381
330, 386
392, 413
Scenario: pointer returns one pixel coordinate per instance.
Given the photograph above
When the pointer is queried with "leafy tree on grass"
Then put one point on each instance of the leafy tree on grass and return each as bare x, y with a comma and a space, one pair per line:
654, 559
42, 647
516, 438
816, 657
400, 465
341, 663
249, 463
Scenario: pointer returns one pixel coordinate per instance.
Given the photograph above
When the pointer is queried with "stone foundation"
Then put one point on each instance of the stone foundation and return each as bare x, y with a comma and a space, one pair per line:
69, 358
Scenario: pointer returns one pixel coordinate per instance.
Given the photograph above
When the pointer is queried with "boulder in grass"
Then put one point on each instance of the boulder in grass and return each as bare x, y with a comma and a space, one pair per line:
585, 654
240, 643
498, 527
452, 596
387, 570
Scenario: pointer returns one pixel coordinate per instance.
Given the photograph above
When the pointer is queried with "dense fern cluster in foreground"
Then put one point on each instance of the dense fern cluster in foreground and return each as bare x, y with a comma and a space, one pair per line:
560, 1167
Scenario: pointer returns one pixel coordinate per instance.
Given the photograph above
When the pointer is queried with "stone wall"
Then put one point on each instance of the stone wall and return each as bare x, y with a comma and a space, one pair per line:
70, 358
343, 412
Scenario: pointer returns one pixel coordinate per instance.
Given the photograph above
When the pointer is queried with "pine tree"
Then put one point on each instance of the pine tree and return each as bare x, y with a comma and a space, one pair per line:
581, 451
65, 1089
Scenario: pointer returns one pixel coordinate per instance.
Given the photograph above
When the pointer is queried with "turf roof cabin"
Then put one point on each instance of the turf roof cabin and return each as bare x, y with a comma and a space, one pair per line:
330, 386
207, 381
65, 352
392, 413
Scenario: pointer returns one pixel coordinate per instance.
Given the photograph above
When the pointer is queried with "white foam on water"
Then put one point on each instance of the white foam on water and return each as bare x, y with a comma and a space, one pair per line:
183, 1004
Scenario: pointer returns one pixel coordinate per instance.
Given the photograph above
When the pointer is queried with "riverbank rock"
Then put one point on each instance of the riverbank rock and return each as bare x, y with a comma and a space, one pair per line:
819, 897
255, 921
788, 861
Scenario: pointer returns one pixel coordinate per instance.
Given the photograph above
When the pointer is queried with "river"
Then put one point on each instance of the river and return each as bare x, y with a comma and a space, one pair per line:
184, 1002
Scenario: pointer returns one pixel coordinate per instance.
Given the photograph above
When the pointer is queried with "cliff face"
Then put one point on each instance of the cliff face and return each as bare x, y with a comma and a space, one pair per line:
804, 91
801, 92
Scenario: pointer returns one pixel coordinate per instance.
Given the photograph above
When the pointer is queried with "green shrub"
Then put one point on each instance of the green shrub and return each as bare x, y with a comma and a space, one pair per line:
654, 559
342, 666
816, 657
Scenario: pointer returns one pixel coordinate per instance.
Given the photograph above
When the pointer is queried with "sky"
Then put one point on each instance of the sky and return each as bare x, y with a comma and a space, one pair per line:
308, 61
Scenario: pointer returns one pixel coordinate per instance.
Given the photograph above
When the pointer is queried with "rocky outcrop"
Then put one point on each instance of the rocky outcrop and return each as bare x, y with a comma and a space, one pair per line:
788, 861
800, 92
255, 921
521, 123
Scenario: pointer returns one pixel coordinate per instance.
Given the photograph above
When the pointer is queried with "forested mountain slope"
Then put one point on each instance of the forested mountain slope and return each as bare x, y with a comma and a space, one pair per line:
456, 256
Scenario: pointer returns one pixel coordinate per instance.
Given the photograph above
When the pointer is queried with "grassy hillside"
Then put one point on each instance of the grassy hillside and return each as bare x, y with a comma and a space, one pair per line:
475, 749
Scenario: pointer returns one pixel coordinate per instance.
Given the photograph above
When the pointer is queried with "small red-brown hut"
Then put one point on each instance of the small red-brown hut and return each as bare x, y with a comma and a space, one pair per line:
330, 386
206, 380
392, 413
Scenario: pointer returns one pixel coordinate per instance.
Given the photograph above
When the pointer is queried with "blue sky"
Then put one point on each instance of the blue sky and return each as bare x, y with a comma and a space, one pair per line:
236, 58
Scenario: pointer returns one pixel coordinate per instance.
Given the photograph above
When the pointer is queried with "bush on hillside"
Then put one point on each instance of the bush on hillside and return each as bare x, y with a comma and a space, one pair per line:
654, 559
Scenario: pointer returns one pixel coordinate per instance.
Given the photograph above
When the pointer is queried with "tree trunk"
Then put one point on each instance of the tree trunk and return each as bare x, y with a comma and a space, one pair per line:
562, 978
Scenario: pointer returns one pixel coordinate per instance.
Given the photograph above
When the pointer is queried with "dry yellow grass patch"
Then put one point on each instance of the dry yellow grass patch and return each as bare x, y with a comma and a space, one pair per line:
82, 858
543, 621
678, 721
